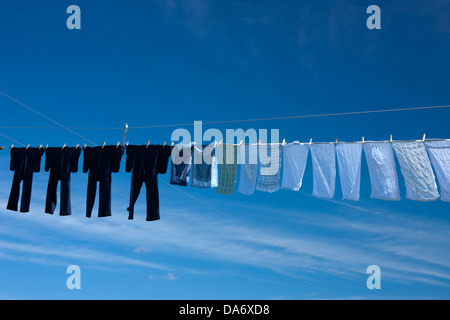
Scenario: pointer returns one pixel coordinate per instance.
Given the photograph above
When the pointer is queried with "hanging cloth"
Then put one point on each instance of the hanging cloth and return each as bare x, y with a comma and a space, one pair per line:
295, 157
382, 170
324, 170
270, 157
181, 165
416, 169
439, 152
61, 162
349, 157
249, 169
24, 162
204, 167
228, 169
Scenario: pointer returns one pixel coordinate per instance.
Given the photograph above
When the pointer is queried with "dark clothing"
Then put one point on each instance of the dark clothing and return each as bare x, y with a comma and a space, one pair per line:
101, 162
24, 162
145, 163
61, 162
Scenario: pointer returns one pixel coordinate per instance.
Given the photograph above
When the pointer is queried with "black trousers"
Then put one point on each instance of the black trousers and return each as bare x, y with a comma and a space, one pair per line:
104, 206
65, 206
151, 185
27, 178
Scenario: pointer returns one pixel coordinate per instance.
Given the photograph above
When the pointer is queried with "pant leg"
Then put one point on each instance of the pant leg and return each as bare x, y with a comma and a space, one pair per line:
136, 184
13, 201
104, 207
26, 192
65, 208
152, 198
91, 191
50, 203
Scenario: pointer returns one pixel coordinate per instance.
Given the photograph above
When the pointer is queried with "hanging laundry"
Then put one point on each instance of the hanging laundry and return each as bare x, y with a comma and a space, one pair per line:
24, 162
349, 157
145, 163
382, 170
324, 170
101, 162
249, 169
181, 171
416, 169
60, 162
204, 167
228, 169
295, 157
439, 152
270, 157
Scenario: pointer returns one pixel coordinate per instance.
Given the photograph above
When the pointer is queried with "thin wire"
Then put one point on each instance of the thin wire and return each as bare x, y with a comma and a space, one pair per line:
4, 136
44, 116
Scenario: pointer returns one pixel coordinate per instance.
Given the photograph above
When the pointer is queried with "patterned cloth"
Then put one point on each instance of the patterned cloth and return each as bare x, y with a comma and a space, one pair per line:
382, 170
324, 170
439, 152
349, 157
270, 157
181, 167
295, 157
228, 169
204, 167
416, 169
248, 159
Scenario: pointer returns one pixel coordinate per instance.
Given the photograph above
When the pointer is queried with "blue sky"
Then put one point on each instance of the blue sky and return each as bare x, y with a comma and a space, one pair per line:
164, 62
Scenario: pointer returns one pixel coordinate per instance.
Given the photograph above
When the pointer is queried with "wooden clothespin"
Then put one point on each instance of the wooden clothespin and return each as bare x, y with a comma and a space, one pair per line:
335, 142
240, 143
164, 144
77, 146
148, 143
284, 142
310, 142
259, 142
46, 147
363, 141
118, 144
40, 146
28, 146
424, 136
104, 144
390, 138
12, 146
85, 145
64, 145
172, 143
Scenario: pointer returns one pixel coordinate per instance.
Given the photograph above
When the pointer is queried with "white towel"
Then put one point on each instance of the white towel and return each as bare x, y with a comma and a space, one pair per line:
439, 152
324, 170
349, 157
295, 156
416, 169
383, 174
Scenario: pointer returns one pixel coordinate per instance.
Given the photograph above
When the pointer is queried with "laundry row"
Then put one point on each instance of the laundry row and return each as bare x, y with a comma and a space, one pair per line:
263, 167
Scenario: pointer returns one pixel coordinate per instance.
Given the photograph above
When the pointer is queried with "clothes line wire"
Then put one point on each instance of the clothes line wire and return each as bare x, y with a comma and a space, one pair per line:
209, 122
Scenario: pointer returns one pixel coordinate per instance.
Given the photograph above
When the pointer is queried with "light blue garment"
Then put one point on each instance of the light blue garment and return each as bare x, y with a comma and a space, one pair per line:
439, 152
270, 156
324, 170
349, 157
248, 159
295, 157
416, 169
382, 171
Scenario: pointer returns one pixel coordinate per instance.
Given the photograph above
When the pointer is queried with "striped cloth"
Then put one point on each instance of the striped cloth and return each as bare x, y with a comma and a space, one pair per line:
248, 159
270, 157
228, 169
416, 169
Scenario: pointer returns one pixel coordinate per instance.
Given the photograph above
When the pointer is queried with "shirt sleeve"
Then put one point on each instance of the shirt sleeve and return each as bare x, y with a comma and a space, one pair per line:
163, 159
37, 160
117, 158
87, 159
74, 159
130, 159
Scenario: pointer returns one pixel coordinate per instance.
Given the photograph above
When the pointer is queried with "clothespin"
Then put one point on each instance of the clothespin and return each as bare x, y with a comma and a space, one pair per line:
164, 144
12, 146
40, 146
259, 142
240, 143
85, 145
284, 142
172, 143
118, 144
363, 141
310, 142
424, 136
77, 146
390, 138
148, 143
46, 147
28, 146
104, 144
64, 145
335, 142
